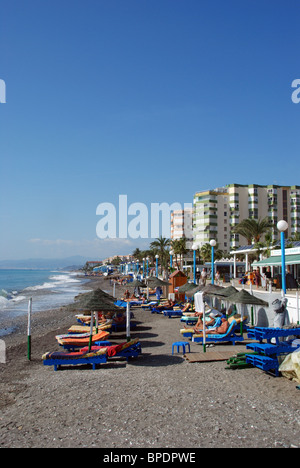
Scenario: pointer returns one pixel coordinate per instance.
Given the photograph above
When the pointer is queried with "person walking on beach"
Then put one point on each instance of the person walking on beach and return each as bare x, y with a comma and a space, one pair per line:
257, 278
203, 277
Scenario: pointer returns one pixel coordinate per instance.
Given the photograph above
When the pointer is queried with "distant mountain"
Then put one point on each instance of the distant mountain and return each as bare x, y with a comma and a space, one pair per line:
45, 263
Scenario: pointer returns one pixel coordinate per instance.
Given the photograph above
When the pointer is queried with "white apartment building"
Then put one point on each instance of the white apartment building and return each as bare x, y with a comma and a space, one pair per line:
217, 211
211, 220
182, 225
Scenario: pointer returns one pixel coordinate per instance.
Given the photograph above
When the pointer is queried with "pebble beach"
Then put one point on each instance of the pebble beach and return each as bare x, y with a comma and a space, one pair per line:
157, 400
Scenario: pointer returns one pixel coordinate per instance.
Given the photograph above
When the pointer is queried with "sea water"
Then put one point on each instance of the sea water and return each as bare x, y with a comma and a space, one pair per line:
48, 289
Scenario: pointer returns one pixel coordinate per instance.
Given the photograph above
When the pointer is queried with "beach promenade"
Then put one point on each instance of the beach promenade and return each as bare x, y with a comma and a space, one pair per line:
157, 400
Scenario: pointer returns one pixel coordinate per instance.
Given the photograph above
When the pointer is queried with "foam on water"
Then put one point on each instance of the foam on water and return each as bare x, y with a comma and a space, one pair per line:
57, 289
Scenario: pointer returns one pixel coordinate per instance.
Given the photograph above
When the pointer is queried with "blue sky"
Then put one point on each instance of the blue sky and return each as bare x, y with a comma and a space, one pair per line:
155, 99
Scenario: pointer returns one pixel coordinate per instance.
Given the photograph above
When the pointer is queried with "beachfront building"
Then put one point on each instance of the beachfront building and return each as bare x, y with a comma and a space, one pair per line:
122, 258
218, 211
182, 225
211, 218
260, 201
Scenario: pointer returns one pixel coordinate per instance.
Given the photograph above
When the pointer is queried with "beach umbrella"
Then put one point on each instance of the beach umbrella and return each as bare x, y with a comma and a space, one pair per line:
225, 292
136, 284
193, 291
154, 282
185, 287
97, 292
113, 276
212, 289
157, 282
245, 298
97, 300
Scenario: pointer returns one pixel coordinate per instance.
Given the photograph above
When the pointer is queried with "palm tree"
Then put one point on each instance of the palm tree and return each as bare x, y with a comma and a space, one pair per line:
176, 250
252, 230
205, 252
137, 254
268, 243
179, 248
295, 237
160, 247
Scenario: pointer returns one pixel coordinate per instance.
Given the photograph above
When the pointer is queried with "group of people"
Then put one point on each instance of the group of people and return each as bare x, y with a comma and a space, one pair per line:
258, 279
218, 323
203, 277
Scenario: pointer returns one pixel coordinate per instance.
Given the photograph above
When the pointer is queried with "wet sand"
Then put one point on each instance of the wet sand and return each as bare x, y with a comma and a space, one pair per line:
157, 400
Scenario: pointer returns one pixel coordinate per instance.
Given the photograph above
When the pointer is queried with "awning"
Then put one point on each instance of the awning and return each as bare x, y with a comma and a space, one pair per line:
276, 261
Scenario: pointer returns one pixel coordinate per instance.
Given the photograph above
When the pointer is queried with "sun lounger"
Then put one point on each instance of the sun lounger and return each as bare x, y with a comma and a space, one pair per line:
189, 332
266, 363
269, 333
172, 313
73, 341
97, 355
269, 349
135, 303
121, 303
128, 350
149, 304
161, 310
229, 336
84, 329
268, 352
189, 320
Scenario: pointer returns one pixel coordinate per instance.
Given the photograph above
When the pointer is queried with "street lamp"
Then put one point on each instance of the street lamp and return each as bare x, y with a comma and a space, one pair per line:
156, 273
194, 247
171, 258
282, 227
143, 268
147, 266
213, 244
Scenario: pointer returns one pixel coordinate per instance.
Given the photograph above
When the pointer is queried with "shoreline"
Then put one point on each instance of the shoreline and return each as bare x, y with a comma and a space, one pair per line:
156, 400
44, 320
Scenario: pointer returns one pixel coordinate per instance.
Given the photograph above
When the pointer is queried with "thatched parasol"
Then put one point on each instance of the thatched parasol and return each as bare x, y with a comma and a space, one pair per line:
113, 276
136, 284
226, 292
97, 300
191, 292
152, 282
243, 297
212, 289
186, 287
97, 292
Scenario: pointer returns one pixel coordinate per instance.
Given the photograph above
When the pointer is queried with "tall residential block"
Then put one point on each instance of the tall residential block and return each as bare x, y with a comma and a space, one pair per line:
182, 225
218, 211
211, 220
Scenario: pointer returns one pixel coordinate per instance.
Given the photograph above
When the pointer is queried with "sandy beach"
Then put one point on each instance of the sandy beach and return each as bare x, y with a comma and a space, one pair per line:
157, 400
